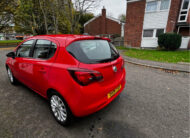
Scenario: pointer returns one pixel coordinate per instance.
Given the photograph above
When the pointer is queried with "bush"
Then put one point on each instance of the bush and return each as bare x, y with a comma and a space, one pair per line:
169, 41
115, 36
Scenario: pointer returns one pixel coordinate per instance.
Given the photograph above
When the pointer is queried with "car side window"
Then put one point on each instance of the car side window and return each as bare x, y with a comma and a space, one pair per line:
44, 49
24, 49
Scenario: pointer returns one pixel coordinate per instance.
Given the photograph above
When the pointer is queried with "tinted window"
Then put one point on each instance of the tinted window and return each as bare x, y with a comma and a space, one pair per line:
44, 49
24, 49
93, 51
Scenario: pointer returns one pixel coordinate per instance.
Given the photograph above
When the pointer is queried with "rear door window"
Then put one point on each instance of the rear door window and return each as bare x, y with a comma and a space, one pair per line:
93, 51
44, 49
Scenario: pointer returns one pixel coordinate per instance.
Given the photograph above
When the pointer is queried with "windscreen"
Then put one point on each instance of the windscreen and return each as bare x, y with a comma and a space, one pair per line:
93, 51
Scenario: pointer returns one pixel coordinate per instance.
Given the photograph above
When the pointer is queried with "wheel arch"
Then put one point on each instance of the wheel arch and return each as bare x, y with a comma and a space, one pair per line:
51, 91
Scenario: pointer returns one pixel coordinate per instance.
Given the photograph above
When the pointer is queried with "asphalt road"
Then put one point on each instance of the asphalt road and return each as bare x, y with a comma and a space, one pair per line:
154, 104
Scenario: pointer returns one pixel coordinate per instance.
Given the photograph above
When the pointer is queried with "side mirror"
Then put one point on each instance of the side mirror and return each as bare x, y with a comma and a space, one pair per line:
11, 54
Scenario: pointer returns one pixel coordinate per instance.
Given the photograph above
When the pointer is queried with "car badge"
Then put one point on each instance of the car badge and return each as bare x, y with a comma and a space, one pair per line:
114, 68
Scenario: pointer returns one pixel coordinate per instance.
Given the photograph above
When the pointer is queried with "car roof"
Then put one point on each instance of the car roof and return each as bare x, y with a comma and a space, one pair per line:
66, 39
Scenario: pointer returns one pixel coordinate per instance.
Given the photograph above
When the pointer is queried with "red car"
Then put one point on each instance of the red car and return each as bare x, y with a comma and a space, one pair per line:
78, 74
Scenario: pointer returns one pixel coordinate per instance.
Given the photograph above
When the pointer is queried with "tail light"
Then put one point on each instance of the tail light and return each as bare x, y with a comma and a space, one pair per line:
85, 77
122, 64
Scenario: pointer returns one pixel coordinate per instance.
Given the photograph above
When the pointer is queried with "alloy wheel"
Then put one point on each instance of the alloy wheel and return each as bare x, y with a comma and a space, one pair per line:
10, 75
58, 108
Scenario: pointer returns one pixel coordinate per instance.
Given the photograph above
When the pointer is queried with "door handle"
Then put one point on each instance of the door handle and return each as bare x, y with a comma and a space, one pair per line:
23, 65
42, 70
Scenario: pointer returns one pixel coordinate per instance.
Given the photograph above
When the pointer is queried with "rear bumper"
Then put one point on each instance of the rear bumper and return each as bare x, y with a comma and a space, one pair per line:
93, 100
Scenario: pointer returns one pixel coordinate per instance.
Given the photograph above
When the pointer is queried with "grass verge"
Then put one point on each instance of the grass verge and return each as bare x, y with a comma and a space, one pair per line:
9, 41
157, 55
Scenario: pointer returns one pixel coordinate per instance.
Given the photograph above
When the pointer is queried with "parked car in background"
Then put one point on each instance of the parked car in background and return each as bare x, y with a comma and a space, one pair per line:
78, 74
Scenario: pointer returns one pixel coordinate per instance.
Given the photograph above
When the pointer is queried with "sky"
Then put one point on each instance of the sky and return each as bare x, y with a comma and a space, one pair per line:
114, 7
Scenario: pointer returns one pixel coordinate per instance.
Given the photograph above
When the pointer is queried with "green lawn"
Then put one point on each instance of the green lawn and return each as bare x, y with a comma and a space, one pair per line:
157, 55
9, 41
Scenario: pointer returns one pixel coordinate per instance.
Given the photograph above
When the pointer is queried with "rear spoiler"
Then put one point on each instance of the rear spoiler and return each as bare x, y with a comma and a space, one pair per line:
102, 38
87, 38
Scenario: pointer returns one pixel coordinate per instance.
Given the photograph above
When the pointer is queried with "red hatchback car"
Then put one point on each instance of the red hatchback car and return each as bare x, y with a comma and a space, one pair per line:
78, 74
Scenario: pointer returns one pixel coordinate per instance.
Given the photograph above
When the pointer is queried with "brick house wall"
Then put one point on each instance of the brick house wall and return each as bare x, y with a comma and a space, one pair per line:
112, 27
173, 19
95, 27
188, 18
173, 15
102, 25
138, 20
134, 23
185, 31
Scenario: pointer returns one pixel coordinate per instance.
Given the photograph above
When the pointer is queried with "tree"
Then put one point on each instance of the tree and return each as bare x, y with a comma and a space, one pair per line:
43, 8
6, 14
75, 9
84, 18
54, 19
51, 16
41, 17
122, 17
28, 17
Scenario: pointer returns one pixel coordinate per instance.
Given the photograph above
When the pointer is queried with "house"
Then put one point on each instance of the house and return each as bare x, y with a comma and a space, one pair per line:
147, 19
103, 25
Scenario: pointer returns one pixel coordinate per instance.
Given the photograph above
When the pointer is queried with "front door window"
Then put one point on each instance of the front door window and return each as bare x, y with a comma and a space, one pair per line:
24, 49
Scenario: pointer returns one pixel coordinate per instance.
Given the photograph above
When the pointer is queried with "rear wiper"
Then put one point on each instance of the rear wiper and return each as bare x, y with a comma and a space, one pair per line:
115, 56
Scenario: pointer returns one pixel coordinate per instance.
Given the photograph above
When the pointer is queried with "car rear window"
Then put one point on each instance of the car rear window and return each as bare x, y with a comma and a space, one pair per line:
93, 51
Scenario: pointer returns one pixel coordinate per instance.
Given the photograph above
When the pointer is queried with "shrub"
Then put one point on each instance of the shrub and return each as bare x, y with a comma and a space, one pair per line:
169, 41
115, 36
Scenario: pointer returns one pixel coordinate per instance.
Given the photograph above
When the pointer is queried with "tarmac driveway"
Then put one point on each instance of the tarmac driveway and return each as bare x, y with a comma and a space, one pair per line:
154, 104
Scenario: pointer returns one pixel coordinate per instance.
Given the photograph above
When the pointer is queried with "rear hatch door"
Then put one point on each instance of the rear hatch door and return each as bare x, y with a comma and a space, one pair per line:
99, 55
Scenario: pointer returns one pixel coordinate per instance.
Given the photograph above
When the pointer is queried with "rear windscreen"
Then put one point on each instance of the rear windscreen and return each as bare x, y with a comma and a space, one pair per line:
93, 51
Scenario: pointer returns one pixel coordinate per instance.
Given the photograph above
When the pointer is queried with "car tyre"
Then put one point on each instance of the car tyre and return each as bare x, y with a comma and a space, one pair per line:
60, 109
11, 77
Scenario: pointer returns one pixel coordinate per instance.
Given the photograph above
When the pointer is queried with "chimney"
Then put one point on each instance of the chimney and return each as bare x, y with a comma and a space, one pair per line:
103, 21
104, 12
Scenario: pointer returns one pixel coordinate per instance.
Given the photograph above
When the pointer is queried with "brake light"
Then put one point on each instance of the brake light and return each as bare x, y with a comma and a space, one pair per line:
85, 77
122, 64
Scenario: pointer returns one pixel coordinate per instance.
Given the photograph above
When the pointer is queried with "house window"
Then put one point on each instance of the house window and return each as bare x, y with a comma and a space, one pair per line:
159, 32
164, 4
153, 33
182, 17
148, 33
184, 11
151, 6
185, 4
